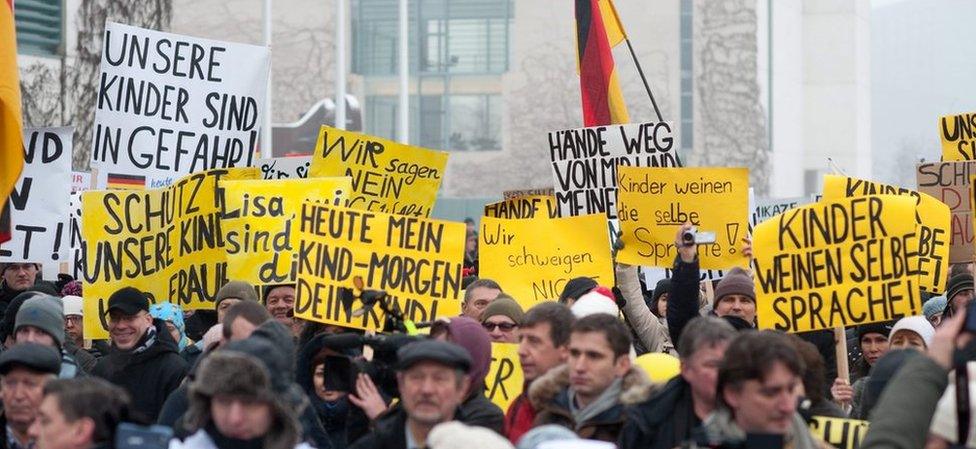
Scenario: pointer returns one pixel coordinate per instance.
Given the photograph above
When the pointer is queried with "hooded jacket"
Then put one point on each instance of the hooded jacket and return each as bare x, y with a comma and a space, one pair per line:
659, 417
650, 331
549, 395
388, 433
149, 376
720, 428
477, 409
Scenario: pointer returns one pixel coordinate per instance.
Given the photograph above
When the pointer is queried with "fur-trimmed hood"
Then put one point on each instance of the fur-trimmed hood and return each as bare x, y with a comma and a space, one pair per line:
544, 389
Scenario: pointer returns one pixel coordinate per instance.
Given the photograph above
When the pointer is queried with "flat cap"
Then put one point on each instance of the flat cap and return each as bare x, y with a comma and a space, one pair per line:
33, 356
441, 352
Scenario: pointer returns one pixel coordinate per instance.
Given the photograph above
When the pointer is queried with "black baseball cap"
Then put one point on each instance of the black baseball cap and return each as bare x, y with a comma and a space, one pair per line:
33, 356
438, 351
128, 300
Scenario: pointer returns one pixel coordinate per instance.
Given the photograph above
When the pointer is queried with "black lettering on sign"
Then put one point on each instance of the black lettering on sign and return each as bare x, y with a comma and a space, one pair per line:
362, 151
179, 59
505, 370
197, 282
325, 302
961, 130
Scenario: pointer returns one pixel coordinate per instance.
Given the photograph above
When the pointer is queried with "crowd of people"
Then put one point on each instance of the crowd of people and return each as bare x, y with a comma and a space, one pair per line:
248, 374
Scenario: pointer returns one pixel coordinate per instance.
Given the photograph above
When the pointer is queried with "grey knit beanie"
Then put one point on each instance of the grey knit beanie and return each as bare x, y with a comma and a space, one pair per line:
45, 313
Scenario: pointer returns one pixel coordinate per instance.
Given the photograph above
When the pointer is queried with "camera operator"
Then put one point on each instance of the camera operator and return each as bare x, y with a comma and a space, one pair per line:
79, 413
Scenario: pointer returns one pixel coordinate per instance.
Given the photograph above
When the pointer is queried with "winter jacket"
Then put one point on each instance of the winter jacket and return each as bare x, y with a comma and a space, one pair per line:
201, 440
660, 417
519, 417
857, 401
720, 429
649, 330
84, 359
7, 294
478, 410
550, 397
388, 433
903, 413
683, 302
148, 376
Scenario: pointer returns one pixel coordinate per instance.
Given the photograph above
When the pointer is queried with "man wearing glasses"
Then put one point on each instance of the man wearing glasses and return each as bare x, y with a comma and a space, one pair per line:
502, 319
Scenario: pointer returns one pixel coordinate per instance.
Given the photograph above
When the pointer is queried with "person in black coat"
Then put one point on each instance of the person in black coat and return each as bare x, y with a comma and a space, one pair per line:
143, 359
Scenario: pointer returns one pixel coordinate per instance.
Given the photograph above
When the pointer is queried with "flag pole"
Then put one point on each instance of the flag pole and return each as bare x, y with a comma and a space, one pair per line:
266, 134
647, 86
403, 114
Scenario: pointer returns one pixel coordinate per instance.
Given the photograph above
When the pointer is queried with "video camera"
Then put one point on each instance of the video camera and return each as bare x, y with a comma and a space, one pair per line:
342, 369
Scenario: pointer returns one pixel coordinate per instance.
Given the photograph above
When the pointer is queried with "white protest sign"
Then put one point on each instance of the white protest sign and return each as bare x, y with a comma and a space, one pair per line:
284, 167
170, 105
39, 201
585, 160
765, 208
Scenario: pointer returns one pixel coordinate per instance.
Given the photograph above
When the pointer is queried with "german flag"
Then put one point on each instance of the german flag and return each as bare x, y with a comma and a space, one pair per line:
597, 30
11, 137
118, 181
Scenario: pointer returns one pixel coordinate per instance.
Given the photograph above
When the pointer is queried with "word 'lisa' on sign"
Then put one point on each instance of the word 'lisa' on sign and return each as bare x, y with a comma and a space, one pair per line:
165, 242
170, 105
534, 258
524, 207
505, 380
387, 176
655, 202
260, 225
948, 182
416, 261
585, 161
838, 432
837, 263
932, 224
958, 134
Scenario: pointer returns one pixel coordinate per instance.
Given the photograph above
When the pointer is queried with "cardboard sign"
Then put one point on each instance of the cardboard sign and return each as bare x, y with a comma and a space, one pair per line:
285, 167
949, 183
39, 202
529, 192
932, 224
504, 381
76, 245
261, 227
534, 258
837, 263
838, 432
416, 261
524, 207
170, 105
766, 208
585, 161
655, 202
387, 176
166, 242
80, 181
958, 133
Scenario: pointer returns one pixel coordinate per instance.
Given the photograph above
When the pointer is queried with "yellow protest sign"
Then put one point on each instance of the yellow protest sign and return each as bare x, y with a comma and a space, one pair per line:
260, 225
837, 263
166, 242
653, 202
416, 261
504, 381
548, 191
932, 224
387, 176
533, 258
958, 133
524, 207
838, 432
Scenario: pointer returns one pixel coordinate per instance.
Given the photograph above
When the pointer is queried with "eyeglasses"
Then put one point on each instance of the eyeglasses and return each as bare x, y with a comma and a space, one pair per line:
505, 327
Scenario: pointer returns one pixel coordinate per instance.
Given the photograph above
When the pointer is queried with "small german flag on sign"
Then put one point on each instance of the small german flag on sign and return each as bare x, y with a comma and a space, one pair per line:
117, 181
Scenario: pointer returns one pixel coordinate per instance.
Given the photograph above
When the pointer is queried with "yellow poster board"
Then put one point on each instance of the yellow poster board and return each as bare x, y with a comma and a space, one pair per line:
837, 263
166, 242
933, 223
524, 207
838, 432
387, 176
652, 203
416, 261
532, 259
958, 135
504, 381
260, 226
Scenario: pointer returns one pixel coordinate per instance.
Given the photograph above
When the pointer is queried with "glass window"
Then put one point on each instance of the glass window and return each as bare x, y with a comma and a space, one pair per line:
39, 27
476, 122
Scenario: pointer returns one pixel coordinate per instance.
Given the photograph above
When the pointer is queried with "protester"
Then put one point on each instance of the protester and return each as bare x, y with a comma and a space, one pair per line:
15, 278
585, 394
232, 293
79, 414
74, 329
24, 369
933, 308
650, 331
41, 320
549, 434
959, 293
758, 388
454, 434
9, 322
477, 297
242, 319
280, 301
598, 300
665, 417
172, 316
476, 409
866, 397
144, 359
576, 288
815, 401
873, 342
433, 380
543, 340
502, 319
913, 332
684, 302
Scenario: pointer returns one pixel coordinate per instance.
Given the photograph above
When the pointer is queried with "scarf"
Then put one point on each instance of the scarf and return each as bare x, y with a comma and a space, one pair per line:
609, 398
225, 442
147, 341
720, 427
